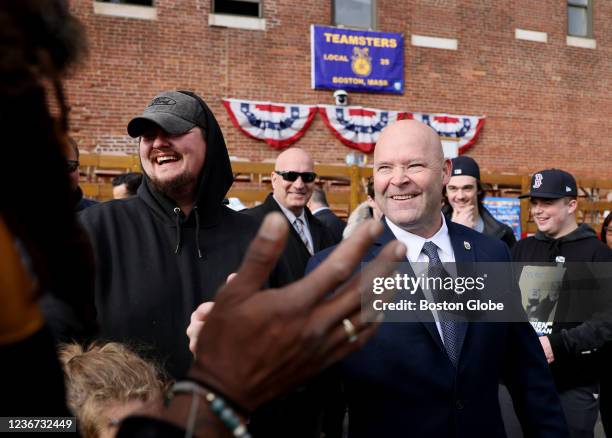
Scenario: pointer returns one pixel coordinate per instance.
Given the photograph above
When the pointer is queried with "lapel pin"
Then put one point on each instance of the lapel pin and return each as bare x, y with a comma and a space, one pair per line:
467, 245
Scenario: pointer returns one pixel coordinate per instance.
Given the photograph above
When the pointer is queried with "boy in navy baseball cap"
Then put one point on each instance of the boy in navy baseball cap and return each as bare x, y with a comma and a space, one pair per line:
581, 321
553, 195
552, 184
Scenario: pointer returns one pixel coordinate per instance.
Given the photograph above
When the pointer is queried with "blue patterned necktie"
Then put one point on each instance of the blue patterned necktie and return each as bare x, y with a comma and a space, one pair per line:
449, 328
299, 227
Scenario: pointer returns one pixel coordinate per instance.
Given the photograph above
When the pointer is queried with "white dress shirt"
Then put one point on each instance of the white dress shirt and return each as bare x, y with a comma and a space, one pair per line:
419, 261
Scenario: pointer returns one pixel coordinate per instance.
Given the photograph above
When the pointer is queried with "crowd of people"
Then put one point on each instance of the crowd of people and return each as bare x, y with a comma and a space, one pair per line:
163, 312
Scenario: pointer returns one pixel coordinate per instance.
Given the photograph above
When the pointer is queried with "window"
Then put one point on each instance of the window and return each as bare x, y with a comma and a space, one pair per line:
139, 9
238, 14
130, 2
354, 13
580, 18
249, 8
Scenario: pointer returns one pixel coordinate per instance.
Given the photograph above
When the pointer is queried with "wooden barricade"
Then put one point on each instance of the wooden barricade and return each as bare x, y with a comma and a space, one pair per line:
341, 183
98, 170
344, 185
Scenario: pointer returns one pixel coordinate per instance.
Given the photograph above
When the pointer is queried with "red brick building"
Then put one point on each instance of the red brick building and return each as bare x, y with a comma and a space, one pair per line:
547, 96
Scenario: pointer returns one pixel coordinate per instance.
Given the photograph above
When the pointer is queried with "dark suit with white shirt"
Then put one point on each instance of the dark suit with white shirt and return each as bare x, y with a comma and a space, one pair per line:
403, 384
296, 254
298, 414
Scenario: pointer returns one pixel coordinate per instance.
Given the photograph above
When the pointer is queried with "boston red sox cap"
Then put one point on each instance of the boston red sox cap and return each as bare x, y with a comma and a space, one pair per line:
552, 184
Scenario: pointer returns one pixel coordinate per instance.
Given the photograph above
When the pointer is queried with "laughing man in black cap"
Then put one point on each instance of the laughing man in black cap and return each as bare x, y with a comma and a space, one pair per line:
164, 251
464, 195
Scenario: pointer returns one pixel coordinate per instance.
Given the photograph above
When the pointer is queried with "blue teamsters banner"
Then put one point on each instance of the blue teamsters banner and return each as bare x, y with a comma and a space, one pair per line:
357, 60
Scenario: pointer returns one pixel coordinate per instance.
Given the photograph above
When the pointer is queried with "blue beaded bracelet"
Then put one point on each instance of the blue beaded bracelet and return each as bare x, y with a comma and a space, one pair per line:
218, 406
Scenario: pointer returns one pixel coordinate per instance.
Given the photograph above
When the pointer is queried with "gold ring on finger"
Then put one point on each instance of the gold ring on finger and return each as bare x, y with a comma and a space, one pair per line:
349, 328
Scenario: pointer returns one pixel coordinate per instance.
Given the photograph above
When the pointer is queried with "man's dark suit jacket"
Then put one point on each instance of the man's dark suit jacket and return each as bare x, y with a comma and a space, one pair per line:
334, 224
402, 383
295, 255
298, 414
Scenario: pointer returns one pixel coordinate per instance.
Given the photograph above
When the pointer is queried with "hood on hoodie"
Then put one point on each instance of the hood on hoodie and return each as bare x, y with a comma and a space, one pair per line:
214, 181
582, 232
554, 245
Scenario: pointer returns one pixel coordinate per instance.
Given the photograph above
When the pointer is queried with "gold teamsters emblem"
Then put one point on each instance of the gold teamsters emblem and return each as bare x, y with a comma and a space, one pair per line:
362, 62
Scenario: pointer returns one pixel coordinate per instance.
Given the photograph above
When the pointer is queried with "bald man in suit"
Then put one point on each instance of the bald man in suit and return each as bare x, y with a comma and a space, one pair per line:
432, 378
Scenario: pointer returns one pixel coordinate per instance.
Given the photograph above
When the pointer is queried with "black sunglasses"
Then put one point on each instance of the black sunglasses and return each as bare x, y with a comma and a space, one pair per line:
72, 165
290, 175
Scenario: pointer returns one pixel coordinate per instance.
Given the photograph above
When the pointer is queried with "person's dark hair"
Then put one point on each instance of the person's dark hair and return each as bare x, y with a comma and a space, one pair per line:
318, 196
482, 192
39, 41
370, 187
606, 224
131, 180
74, 146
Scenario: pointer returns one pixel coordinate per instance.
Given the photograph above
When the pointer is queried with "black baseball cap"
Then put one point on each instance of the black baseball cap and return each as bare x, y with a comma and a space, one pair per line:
465, 165
552, 184
173, 111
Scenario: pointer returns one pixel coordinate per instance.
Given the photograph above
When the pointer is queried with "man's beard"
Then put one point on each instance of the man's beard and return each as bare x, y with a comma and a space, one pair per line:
173, 188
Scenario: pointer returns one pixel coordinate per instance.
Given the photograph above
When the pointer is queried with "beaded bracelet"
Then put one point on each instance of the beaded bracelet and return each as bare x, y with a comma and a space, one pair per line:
228, 401
217, 405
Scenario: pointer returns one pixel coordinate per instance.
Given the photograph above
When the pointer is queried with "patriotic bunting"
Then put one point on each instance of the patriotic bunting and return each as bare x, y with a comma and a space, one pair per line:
278, 124
282, 124
464, 128
358, 127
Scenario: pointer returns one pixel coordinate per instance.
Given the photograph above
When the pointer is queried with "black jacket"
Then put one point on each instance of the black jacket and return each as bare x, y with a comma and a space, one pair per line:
296, 255
583, 319
81, 202
334, 224
298, 414
492, 227
155, 266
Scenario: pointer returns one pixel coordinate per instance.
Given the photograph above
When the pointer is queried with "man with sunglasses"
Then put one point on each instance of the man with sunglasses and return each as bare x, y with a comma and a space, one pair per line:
292, 183
72, 166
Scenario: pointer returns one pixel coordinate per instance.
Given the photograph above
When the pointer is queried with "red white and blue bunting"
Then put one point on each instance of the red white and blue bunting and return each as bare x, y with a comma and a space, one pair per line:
357, 127
463, 128
282, 124
278, 124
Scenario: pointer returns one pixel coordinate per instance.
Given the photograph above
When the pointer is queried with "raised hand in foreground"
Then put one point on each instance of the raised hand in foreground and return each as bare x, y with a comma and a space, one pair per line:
257, 344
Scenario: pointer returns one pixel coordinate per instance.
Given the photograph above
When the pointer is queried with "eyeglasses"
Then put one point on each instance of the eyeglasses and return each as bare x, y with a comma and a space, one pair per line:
72, 165
290, 175
607, 230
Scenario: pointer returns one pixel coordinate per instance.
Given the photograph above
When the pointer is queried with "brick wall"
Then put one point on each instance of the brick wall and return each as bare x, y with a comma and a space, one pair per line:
547, 104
